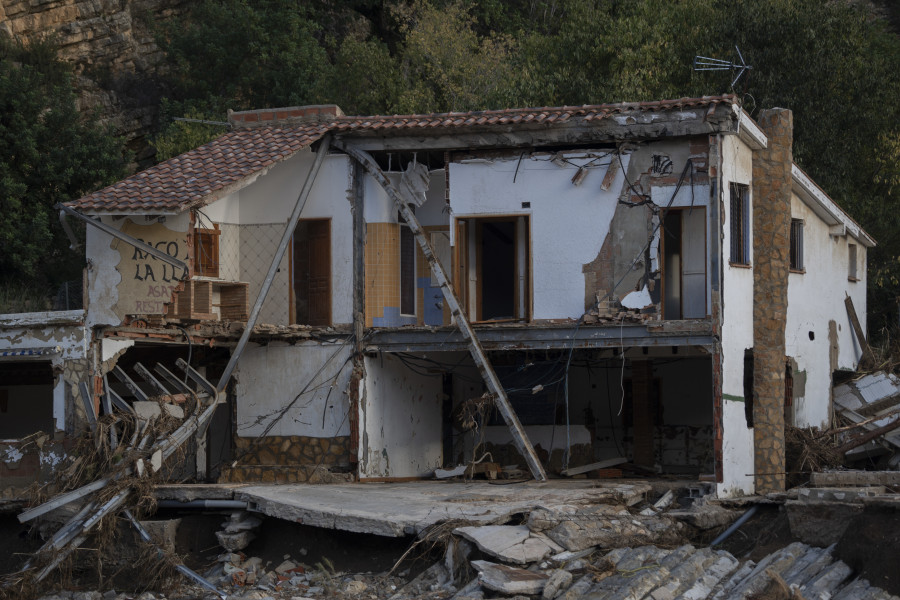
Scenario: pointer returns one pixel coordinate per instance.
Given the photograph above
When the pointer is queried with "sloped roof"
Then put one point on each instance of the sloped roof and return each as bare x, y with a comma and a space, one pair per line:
202, 174
234, 159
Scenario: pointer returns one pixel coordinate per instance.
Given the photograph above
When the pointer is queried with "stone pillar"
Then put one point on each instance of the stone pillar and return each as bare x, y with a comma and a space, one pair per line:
642, 427
771, 263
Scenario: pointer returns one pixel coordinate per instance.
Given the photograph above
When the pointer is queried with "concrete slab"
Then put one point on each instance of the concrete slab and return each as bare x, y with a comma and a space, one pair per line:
399, 509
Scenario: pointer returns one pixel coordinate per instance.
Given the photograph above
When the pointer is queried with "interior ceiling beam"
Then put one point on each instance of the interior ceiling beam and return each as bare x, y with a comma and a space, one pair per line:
520, 438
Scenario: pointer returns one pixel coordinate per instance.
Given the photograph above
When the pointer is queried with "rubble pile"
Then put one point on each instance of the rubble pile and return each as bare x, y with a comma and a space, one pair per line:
606, 551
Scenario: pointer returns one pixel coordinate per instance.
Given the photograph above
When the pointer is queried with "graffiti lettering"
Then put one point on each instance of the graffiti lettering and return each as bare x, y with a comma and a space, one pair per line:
160, 291
661, 165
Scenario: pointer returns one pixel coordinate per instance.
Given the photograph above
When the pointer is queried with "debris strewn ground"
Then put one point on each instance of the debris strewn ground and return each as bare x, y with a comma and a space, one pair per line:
652, 549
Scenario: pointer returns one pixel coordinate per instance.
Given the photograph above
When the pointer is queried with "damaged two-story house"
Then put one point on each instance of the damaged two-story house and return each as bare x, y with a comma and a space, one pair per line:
656, 282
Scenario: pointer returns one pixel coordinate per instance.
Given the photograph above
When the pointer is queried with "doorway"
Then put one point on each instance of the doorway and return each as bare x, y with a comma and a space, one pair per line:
492, 273
684, 264
311, 268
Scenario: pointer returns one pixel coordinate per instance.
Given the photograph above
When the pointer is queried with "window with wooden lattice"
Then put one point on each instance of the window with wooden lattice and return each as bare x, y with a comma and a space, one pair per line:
206, 252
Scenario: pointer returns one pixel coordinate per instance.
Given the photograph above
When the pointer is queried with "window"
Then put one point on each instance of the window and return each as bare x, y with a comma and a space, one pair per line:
740, 224
797, 245
852, 273
206, 252
407, 271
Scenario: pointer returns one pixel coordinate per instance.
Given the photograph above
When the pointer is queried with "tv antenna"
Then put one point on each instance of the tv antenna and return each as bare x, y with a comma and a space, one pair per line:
705, 63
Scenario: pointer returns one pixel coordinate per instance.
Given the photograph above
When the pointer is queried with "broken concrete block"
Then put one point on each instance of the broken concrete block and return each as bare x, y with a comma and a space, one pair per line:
156, 461
173, 410
448, 473
509, 580
559, 581
515, 544
604, 526
285, 566
703, 514
355, 588
146, 410
163, 532
235, 541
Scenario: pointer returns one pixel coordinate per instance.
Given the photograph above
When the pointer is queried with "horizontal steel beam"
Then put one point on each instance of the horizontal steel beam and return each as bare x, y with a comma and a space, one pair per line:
534, 338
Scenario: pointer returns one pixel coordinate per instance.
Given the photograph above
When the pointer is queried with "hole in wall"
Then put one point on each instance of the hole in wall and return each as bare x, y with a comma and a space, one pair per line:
812, 336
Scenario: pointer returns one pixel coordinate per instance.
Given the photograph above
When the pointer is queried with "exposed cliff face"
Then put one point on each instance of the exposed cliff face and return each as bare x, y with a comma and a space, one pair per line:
111, 46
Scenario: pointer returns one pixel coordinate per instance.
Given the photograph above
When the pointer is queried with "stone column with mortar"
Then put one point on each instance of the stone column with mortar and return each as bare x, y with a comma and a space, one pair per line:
771, 265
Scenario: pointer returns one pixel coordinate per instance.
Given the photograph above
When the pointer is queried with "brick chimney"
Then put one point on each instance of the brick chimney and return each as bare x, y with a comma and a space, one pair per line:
284, 117
771, 266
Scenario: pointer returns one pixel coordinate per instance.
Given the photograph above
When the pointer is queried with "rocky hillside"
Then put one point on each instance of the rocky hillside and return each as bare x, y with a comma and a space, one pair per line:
111, 46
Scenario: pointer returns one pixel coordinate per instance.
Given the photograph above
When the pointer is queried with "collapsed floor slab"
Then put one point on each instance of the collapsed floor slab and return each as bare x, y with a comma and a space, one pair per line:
399, 509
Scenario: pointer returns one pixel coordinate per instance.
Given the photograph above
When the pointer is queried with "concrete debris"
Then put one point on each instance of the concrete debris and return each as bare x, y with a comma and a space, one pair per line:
558, 580
509, 580
515, 544
872, 403
703, 514
239, 531
605, 526
448, 473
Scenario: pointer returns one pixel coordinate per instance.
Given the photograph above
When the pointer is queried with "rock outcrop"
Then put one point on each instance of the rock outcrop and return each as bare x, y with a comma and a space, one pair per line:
111, 46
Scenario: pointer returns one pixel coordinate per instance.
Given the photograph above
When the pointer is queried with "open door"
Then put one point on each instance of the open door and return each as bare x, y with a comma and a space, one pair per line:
312, 272
684, 264
492, 274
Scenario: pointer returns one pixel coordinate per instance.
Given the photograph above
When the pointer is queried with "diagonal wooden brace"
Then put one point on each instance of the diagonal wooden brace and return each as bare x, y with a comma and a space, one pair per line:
520, 439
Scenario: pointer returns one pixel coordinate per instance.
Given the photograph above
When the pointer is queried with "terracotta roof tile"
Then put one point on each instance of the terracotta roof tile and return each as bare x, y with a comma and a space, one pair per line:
212, 170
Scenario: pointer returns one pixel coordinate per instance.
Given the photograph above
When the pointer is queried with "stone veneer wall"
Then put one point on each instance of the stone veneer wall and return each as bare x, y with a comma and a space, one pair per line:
288, 459
771, 265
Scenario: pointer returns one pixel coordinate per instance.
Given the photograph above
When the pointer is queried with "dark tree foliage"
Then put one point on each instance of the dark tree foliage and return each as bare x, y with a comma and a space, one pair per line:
48, 154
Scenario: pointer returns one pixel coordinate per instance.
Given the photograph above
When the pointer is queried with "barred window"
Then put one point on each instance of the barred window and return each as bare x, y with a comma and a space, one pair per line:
797, 245
852, 273
740, 224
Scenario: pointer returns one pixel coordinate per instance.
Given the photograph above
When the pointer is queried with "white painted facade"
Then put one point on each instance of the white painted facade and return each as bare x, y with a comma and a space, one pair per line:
737, 325
568, 222
817, 322
399, 421
311, 378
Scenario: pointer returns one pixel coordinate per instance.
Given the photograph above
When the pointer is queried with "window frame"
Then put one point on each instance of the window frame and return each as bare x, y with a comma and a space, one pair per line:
739, 225
852, 262
796, 253
212, 235
407, 276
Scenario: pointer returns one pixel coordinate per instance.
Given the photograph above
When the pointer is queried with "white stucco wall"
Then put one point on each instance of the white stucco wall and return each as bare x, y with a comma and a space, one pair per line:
399, 421
568, 223
815, 298
106, 303
261, 210
270, 377
379, 208
737, 329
